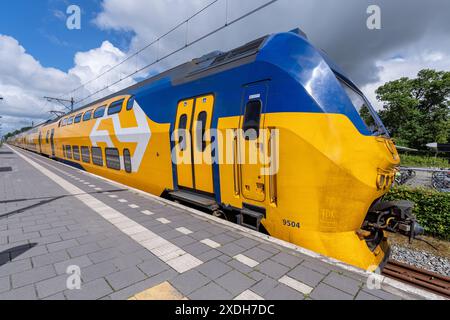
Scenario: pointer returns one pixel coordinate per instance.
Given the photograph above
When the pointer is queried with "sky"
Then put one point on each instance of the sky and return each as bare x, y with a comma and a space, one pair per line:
40, 56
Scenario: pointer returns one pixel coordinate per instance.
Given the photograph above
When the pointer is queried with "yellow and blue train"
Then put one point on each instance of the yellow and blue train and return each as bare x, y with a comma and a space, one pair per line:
335, 158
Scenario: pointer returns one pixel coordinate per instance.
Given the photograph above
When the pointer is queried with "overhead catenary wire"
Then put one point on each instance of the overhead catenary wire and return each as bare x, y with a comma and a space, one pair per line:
157, 41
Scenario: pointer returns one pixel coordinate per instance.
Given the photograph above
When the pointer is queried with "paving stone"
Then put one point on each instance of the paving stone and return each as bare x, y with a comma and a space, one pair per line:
38, 227
125, 278
56, 297
4, 284
306, 276
235, 282
32, 276
264, 286
126, 261
231, 249
272, 269
153, 267
50, 258
222, 239
211, 292
209, 255
23, 293
138, 287
325, 292
104, 254
31, 252
98, 270
317, 266
245, 243
239, 266
196, 249
258, 254
83, 249
381, 294
214, 269
81, 262
183, 241
15, 267
61, 245
287, 259
283, 292
189, 281
365, 296
21, 237
52, 286
343, 283
90, 291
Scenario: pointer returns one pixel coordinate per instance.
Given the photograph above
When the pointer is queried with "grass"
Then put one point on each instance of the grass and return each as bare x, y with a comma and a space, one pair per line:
423, 161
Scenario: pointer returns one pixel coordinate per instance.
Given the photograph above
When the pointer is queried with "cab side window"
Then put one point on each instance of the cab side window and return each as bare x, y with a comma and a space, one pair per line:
252, 119
115, 107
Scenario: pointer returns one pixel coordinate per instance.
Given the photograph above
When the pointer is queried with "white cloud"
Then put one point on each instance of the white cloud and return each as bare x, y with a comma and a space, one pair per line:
24, 81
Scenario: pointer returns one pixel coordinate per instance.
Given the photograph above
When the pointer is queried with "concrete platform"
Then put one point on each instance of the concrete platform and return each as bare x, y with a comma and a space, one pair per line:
131, 245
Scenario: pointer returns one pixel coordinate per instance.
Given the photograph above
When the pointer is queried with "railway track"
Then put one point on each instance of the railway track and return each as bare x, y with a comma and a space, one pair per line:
424, 279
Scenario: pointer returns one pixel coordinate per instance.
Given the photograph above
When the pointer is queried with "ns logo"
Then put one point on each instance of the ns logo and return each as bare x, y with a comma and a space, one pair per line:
140, 135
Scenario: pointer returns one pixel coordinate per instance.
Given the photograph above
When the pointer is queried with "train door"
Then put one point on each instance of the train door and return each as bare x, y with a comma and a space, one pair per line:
40, 141
252, 142
52, 142
193, 144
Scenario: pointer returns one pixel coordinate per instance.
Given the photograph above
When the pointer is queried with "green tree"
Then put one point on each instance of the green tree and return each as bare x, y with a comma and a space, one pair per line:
417, 111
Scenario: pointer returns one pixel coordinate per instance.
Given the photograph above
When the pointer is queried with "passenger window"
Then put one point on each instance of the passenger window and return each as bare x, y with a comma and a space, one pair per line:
182, 132
252, 119
64, 151
200, 131
112, 158
69, 152
85, 155
87, 116
70, 121
115, 107
100, 112
64, 122
78, 118
47, 136
130, 103
127, 160
97, 156
76, 153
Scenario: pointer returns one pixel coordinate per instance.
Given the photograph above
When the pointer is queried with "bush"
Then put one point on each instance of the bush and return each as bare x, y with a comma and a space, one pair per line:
432, 209
423, 161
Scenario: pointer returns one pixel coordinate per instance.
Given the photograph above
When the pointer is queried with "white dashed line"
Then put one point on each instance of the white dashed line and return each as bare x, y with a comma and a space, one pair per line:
123, 201
184, 230
296, 285
248, 295
147, 212
133, 206
113, 196
246, 260
175, 257
98, 189
163, 220
91, 186
211, 243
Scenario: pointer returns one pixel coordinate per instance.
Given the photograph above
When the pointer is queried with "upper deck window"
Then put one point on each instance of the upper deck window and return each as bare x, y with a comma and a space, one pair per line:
87, 115
70, 121
115, 107
78, 118
365, 111
64, 122
99, 112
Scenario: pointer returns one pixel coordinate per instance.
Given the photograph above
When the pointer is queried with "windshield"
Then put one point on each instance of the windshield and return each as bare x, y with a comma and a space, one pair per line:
365, 111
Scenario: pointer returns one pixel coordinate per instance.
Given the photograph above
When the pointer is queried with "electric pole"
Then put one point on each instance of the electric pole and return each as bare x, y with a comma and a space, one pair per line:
61, 101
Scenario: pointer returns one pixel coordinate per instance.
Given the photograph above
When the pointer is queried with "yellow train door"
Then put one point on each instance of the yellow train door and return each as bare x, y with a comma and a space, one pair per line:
253, 143
193, 144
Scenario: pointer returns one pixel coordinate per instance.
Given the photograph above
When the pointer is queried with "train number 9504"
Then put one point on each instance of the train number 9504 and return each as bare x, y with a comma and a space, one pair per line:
292, 224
